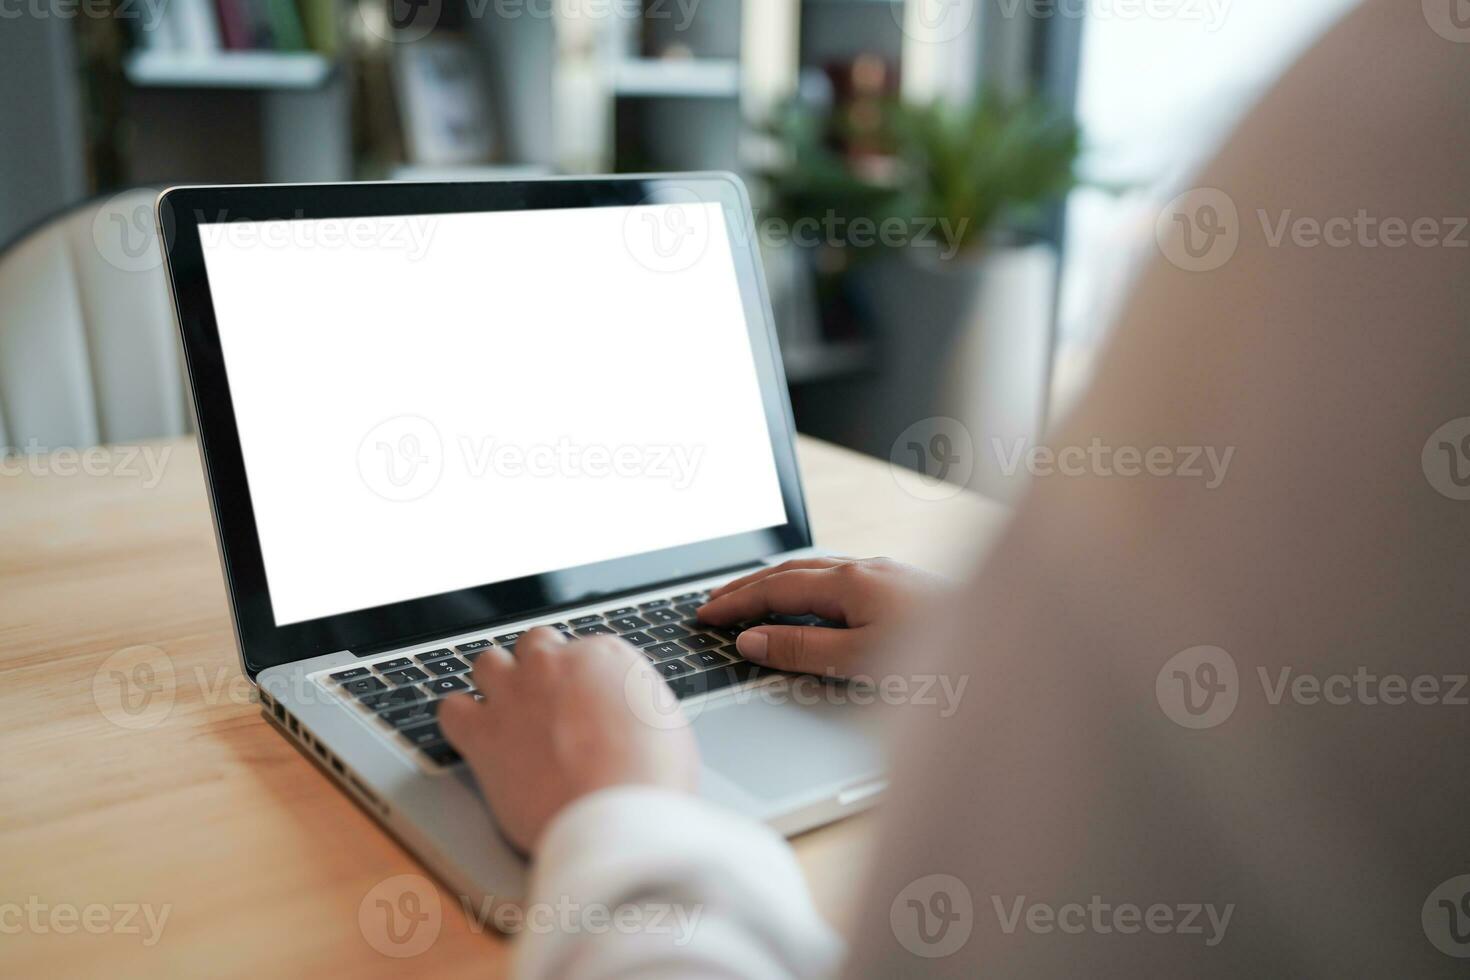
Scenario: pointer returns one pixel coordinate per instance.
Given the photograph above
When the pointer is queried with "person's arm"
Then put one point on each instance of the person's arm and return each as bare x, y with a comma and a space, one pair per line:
589, 765
677, 888
1115, 798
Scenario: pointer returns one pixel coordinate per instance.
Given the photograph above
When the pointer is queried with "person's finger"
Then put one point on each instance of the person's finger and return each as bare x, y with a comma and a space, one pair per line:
805, 649
539, 649
464, 722
793, 593
785, 566
491, 668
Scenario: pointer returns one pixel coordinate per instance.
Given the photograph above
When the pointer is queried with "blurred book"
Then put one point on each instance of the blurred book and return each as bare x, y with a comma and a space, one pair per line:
323, 29
192, 25
199, 28
286, 31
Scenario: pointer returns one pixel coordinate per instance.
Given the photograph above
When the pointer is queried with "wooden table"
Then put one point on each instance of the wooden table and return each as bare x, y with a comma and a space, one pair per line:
207, 815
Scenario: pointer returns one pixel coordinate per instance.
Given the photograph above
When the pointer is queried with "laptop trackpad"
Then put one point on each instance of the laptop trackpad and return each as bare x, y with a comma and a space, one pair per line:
786, 743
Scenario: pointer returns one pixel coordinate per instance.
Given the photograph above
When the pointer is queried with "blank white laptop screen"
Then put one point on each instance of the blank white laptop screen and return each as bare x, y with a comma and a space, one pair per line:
436, 402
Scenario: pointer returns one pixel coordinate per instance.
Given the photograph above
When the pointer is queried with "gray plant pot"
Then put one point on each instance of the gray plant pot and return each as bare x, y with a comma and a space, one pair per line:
967, 339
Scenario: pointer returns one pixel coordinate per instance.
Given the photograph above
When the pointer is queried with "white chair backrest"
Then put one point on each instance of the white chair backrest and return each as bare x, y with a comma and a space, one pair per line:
89, 350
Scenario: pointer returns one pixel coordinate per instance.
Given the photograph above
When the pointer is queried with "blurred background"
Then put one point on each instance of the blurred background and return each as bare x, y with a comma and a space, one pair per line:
950, 194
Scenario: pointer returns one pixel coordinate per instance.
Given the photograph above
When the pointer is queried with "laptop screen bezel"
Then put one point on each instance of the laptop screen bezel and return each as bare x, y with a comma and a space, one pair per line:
263, 644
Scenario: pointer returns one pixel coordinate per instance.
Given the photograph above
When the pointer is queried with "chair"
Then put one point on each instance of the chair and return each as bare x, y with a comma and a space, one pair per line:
89, 352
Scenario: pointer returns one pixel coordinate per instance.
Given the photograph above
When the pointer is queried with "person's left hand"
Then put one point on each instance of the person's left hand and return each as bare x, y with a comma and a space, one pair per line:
559, 722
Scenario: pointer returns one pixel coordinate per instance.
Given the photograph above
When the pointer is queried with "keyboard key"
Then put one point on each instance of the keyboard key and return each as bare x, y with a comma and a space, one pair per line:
350, 675
443, 668
557, 626
689, 597
707, 658
473, 655
624, 624
397, 663
509, 639
668, 631
688, 611
424, 734
654, 604
639, 638
673, 668
585, 620
395, 698
596, 629
446, 685
693, 684
664, 651
408, 675
441, 754
363, 685
722, 632
411, 714
433, 654
621, 611
472, 645
662, 616
700, 641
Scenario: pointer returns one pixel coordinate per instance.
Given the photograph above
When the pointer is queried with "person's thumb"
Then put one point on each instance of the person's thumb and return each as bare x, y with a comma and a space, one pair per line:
805, 649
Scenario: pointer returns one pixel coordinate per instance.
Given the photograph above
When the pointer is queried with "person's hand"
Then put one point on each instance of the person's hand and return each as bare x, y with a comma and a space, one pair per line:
558, 722
867, 595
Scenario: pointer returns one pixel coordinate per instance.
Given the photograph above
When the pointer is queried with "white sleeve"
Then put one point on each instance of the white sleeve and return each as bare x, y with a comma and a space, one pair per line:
643, 882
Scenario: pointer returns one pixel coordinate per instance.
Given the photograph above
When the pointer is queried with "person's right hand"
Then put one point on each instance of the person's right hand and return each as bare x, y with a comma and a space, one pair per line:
867, 595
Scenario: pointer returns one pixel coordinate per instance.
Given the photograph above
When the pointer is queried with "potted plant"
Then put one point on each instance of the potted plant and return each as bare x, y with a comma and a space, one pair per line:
960, 309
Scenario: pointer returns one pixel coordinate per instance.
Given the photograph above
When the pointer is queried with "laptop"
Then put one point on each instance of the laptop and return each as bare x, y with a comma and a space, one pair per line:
435, 416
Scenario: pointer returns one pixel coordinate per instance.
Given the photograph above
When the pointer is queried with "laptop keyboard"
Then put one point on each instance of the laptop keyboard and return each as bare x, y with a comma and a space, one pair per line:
403, 693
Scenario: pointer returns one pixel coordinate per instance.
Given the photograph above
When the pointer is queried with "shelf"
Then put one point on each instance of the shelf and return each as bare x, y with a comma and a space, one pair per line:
674, 78
820, 362
228, 69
